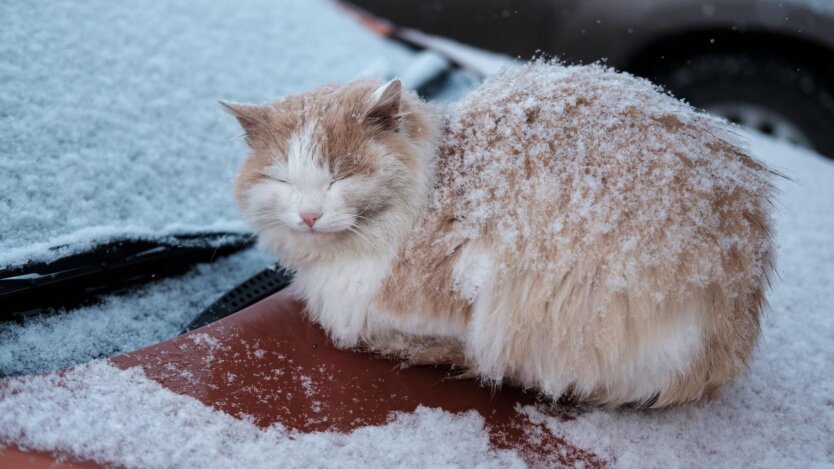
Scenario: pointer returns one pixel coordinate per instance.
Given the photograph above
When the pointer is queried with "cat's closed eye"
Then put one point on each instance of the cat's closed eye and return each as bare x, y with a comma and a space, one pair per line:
270, 173
342, 178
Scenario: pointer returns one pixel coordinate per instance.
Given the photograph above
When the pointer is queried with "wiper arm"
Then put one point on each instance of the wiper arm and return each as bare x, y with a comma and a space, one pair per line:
77, 279
252, 290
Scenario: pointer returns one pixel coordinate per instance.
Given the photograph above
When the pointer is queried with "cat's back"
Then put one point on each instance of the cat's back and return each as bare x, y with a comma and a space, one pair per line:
557, 164
593, 236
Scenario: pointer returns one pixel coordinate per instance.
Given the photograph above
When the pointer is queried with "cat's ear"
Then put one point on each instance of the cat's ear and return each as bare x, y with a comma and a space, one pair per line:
385, 107
250, 116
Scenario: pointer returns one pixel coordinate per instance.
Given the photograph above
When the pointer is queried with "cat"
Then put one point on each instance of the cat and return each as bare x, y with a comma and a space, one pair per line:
570, 229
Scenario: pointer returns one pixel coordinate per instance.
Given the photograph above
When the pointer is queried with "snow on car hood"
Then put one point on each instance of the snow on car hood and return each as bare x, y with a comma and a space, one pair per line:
109, 121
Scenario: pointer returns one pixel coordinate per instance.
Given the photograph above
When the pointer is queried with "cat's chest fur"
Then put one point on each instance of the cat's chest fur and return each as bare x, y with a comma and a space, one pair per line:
344, 298
339, 294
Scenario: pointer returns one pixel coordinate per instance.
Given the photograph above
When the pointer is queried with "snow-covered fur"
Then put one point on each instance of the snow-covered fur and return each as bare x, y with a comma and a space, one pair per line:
570, 229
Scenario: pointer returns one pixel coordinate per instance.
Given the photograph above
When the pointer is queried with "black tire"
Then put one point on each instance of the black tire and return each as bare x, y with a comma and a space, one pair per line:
798, 94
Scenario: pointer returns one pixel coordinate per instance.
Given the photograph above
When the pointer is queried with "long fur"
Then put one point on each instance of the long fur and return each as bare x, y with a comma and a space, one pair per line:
570, 229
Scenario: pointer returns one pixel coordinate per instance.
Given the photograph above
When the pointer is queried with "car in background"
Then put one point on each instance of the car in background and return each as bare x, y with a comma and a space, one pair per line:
764, 64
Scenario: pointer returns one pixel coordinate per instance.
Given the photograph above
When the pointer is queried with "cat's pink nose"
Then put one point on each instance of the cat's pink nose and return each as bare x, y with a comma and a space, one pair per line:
310, 218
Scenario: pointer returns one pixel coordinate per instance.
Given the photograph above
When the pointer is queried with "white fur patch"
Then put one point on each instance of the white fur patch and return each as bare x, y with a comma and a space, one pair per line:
472, 271
303, 166
670, 351
339, 295
416, 323
485, 334
299, 184
664, 354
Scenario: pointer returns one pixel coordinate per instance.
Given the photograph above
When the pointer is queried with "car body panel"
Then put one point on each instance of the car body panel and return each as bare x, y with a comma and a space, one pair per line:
276, 355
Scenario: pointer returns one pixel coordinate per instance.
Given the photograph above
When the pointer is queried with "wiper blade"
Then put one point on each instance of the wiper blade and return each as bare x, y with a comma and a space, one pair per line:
251, 291
77, 279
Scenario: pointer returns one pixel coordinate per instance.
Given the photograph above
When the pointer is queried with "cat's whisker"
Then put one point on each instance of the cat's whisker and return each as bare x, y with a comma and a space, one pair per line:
364, 237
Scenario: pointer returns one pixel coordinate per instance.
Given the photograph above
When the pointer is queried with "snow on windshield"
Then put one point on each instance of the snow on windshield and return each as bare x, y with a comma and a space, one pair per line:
121, 322
109, 116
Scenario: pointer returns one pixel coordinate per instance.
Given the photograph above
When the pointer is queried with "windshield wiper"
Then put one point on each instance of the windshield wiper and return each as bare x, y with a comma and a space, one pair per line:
78, 279
251, 291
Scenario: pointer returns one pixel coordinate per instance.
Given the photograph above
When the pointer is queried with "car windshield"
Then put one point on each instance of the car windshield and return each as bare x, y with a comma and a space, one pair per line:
111, 124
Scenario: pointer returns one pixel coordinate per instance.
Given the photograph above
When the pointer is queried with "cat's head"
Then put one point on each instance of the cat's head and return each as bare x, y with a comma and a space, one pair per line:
334, 170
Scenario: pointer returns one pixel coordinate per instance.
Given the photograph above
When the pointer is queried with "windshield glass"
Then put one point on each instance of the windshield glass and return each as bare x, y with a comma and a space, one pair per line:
109, 120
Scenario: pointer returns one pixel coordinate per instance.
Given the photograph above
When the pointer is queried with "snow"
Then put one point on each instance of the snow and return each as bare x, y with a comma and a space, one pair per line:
121, 322
598, 177
110, 123
100, 412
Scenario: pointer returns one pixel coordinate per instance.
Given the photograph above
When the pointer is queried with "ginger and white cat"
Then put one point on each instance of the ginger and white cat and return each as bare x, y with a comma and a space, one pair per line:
569, 229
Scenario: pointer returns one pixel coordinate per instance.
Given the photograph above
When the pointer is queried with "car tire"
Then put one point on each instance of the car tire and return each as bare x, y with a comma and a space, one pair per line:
769, 94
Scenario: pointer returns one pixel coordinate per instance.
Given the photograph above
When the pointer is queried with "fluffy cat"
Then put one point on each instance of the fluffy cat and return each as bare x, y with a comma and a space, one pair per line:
569, 229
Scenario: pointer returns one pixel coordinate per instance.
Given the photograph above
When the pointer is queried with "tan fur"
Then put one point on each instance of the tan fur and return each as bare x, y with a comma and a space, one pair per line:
613, 218
423, 282
417, 350
342, 135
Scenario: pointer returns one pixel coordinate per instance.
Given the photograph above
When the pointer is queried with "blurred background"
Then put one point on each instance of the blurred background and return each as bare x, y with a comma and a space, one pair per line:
764, 64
